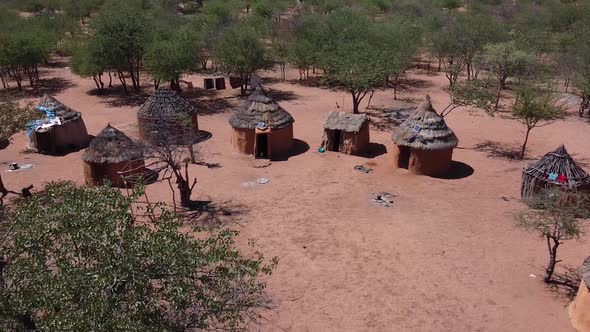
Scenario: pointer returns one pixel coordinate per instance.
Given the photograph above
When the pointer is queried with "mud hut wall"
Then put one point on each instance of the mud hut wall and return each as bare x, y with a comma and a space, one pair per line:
327, 139
96, 174
361, 139
61, 138
579, 309
401, 156
430, 162
281, 141
243, 140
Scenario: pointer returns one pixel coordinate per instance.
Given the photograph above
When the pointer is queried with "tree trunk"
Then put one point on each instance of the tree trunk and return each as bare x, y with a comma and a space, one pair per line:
110, 80
498, 95
526, 140
552, 259
123, 82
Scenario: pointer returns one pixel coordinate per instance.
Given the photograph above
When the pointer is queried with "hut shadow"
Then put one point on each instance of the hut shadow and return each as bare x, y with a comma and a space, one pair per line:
299, 147
4, 143
50, 86
565, 283
374, 150
210, 214
498, 150
458, 170
203, 136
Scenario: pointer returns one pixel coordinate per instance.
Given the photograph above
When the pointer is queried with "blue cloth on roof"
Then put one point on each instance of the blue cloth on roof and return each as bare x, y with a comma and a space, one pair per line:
552, 177
48, 111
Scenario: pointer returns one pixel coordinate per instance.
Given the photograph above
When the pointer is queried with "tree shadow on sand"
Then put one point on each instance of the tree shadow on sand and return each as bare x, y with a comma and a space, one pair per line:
387, 119
116, 97
50, 86
413, 85
280, 95
458, 170
565, 283
209, 214
499, 150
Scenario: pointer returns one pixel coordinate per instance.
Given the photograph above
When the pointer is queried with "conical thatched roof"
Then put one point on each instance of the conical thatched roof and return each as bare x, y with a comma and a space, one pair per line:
165, 103
345, 121
112, 146
60, 110
260, 108
425, 129
561, 163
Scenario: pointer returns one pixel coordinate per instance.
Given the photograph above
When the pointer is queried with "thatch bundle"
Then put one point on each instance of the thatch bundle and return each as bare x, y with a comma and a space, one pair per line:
60, 130
165, 115
426, 130
112, 146
345, 121
556, 168
114, 157
260, 108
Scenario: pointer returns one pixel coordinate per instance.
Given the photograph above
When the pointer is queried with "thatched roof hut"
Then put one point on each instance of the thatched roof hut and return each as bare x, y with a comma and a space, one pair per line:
59, 130
166, 113
112, 156
262, 127
424, 142
556, 168
346, 132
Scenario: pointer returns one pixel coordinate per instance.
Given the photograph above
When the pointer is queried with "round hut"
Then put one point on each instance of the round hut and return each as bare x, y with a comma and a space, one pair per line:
556, 168
262, 128
112, 156
346, 133
59, 130
424, 143
166, 114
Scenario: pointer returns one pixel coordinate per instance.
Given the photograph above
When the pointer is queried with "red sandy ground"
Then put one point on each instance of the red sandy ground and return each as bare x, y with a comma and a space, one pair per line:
446, 257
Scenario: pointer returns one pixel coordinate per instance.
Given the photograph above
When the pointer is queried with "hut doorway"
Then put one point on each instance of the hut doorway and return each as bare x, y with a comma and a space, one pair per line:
404, 157
261, 150
336, 140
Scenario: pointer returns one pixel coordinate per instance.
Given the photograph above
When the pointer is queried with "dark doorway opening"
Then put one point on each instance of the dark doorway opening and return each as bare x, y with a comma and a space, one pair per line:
261, 146
336, 139
404, 157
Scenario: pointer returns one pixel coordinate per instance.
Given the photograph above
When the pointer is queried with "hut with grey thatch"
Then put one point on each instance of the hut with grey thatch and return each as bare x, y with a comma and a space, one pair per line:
58, 130
262, 128
166, 114
112, 156
424, 143
556, 168
346, 133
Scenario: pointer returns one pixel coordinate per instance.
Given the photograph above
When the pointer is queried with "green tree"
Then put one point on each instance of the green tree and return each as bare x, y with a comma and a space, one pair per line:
554, 217
86, 259
474, 93
14, 118
240, 52
87, 61
534, 107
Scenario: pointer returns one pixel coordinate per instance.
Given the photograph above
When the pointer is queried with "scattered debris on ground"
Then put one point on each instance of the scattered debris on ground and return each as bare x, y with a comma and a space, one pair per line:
383, 198
260, 163
363, 169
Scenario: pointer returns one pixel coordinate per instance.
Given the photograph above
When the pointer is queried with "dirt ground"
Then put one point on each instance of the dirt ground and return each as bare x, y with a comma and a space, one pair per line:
445, 257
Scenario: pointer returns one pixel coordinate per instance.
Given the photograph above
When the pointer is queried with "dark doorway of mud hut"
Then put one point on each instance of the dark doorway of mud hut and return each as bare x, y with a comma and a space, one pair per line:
262, 146
404, 157
336, 140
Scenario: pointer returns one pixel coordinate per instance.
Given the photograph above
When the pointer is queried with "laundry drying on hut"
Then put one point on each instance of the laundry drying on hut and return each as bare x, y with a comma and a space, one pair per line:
346, 133
424, 142
112, 156
58, 130
262, 128
166, 115
556, 168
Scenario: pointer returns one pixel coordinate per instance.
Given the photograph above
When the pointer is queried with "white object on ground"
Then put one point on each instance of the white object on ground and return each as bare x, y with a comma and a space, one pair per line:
263, 180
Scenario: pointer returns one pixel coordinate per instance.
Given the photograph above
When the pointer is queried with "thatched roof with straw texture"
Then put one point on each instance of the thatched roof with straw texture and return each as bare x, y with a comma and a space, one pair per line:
345, 121
165, 103
112, 146
260, 108
425, 129
63, 112
559, 162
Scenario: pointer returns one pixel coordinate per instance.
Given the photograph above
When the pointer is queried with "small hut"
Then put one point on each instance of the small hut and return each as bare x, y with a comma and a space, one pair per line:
164, 114
60, 130
579, 309
556, 168
112, 156
424, 142
261, 127
346, 133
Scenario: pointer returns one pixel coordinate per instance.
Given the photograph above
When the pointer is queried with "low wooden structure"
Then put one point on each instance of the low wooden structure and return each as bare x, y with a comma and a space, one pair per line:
424, 143
167, 115
112, 156
556, 168
579, 309
59, 131
262, 128
346, 133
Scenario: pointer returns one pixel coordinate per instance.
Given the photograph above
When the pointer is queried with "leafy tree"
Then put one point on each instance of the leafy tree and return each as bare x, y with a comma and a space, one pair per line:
87, 259
87, 61
473, 93
14, 118
239, 52
554, 216
534, 106
444, 48
504, 60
